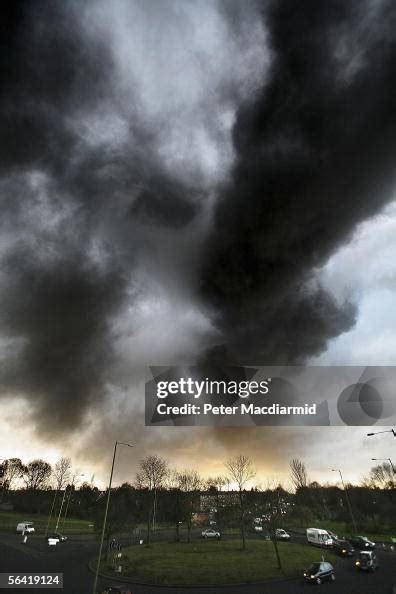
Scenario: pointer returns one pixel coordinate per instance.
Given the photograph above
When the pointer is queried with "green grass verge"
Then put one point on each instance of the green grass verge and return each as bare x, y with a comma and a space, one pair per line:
9, 521
214, 563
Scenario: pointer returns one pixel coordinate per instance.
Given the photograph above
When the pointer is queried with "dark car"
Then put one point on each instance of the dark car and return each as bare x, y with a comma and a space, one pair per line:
343, 548
367, 561
56, 536
361, 542
320, 572
116, 590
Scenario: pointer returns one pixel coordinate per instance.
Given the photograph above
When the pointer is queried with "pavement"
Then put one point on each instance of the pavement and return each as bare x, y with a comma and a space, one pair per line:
72, 558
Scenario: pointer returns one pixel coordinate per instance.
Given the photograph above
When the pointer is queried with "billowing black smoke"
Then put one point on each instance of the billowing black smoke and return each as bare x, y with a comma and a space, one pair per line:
315, 155
81, 214
70, 210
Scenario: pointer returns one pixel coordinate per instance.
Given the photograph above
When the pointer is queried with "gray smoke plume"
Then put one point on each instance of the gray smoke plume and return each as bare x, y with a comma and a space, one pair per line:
77, 210
314, 156
116, 122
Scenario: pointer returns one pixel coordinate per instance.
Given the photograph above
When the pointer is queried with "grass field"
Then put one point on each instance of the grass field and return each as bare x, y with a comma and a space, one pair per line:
9, 521
220, 562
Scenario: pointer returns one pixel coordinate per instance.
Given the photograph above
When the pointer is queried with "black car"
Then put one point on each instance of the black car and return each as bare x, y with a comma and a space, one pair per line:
362, 543
343, 548
367, 561
116, 590
320, 572
56, 536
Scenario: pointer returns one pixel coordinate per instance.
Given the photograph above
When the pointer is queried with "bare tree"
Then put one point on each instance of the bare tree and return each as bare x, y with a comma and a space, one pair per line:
298, 473
240, 470
274, 511
152, 474
217, 482
382, 476
36, 474
62, 472
12, 470
189, 482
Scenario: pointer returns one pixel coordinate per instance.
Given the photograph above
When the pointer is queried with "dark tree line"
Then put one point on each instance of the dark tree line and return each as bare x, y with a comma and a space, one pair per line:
183, 498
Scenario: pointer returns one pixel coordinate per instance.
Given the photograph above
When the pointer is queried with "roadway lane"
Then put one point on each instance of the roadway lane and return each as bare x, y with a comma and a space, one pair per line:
72, 557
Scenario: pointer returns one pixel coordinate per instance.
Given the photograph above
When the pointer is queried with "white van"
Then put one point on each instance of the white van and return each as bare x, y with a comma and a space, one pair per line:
319, 537
25, 527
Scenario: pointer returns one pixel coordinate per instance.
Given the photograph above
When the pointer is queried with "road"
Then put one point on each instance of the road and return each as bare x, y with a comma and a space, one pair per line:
72, 558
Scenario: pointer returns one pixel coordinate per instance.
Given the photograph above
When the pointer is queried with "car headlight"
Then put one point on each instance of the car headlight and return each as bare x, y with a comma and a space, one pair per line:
357, 563
312, 577
305, 575
344, 550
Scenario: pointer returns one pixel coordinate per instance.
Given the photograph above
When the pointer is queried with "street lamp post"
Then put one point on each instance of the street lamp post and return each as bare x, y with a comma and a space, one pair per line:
347, 498
387, 431
69, 497
60, 510
51, 511
105, 514
389, 460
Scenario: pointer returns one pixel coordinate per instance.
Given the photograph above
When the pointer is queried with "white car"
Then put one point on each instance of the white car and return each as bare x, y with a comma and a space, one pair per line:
25, 527
282, 534
210, 533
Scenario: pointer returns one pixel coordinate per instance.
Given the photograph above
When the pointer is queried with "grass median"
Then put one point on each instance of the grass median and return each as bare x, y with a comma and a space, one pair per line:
220, 562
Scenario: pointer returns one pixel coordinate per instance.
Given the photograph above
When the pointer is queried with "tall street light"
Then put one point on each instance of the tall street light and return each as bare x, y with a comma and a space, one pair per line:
106, 510
51, 511
347, 498
69, 496
389, 460
387, 431
60, 510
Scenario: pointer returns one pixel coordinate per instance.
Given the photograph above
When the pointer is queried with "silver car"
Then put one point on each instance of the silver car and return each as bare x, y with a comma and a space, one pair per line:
210, 533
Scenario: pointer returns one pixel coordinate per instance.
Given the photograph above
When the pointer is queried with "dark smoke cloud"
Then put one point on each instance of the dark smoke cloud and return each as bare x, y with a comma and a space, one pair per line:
164, 204
73, 209
314, 157
63, 315
84, 214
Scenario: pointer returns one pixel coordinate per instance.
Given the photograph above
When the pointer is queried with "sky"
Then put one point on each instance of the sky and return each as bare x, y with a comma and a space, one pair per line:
190, 181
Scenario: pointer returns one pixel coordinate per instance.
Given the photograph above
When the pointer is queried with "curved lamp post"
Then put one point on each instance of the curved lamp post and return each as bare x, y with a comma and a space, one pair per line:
347, 498
105, 514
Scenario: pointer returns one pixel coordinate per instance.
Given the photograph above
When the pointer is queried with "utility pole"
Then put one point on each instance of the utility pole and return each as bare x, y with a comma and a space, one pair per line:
105, 514
347, 499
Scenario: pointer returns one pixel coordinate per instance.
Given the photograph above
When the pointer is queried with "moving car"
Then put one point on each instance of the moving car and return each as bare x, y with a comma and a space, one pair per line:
281, 534
210, 533
320, 572
343, 548
367, 561
116, 590
56, 536
361, 542
25, 527
319, 537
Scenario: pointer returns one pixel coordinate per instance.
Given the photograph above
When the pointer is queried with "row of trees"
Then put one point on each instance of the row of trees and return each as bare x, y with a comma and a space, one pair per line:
35, 475
161, 494
154, 472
